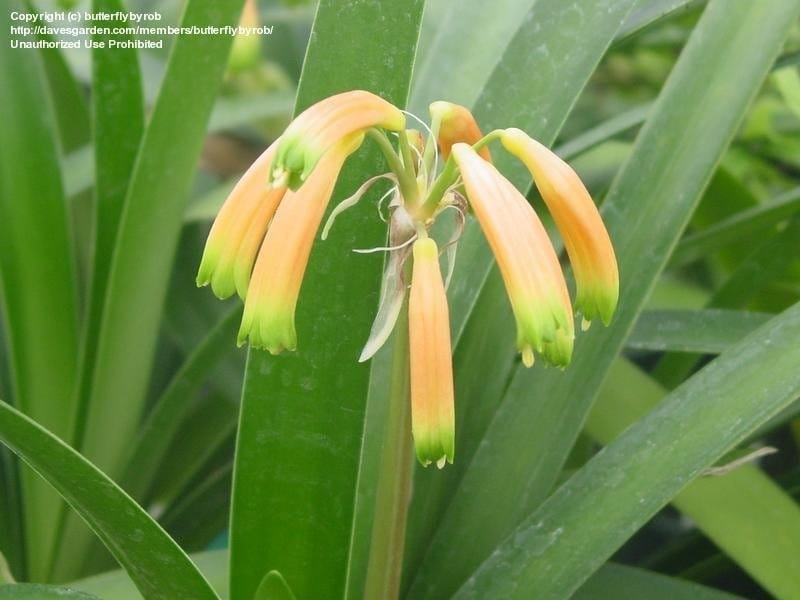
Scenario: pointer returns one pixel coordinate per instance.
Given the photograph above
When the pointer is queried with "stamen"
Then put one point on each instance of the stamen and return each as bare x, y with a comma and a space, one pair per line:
452, 244
353, 200
385, 248
431, 140
388, 194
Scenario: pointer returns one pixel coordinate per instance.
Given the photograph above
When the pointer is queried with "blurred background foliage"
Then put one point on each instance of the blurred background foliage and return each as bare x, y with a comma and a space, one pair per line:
736, 264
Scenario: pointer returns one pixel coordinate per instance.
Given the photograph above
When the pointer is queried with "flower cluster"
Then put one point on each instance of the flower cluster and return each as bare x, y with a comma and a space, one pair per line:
261, 240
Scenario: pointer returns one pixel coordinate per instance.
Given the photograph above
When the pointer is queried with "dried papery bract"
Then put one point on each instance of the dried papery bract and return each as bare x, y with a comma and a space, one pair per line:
432, 410
525, 255
578, 220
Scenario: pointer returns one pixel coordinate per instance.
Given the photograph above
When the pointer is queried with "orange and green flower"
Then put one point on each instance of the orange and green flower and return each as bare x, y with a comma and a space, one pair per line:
239, 228
456, 124
527, 260
268, 320
322, 125
260, 243
578, 220
432, 409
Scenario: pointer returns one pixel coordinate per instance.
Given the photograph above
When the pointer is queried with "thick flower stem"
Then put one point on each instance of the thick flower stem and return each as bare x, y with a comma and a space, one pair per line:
405, 176
449, 176
394, 484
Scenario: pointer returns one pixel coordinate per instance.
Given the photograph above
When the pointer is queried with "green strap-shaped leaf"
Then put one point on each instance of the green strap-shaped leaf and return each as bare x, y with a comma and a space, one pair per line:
145, 246
156, 564
533, 87
302, 416
747, 515
646, 210
162, 424
37, 277
618, 582
741, 225
37, 591
710, 331
149, 230
117, 125
563, 542
67, 96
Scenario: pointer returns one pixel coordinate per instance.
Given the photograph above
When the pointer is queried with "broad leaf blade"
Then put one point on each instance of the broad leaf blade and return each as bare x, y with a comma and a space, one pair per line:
36, 273
646, 210
157, 565
302, 415
145, 246
747, 515
562, 542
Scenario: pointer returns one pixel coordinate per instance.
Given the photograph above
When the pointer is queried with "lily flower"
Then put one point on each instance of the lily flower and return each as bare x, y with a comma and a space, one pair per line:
432, 412
456, 124
527, 260
324, 124
261, 241
268, 319
577, 218
237, 231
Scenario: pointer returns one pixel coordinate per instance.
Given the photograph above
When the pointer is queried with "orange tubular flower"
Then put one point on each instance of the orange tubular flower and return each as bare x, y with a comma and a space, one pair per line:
238, 230
432, 413
322, 125
527, 260
268, 319
456, 124
577, 218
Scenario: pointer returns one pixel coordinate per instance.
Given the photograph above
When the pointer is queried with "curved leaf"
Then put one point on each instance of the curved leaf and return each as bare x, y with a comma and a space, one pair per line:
156, 564
302, 415
646, 210
37, 277
561, 543
145, 246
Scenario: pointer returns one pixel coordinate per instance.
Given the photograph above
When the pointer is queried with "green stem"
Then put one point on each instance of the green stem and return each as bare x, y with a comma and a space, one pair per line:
430, 147
394, 481
406, 153
405, 180
447, 178
450, 174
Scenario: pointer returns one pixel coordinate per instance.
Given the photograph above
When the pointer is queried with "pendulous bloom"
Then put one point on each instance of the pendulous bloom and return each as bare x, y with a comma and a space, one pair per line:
239, 228
261, 241
322, 125
527, 260
432, 411
268, 319
577, 218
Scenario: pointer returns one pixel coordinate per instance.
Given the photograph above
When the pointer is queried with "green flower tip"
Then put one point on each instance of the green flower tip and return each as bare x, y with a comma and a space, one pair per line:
597, 301
435, 446
272, 330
